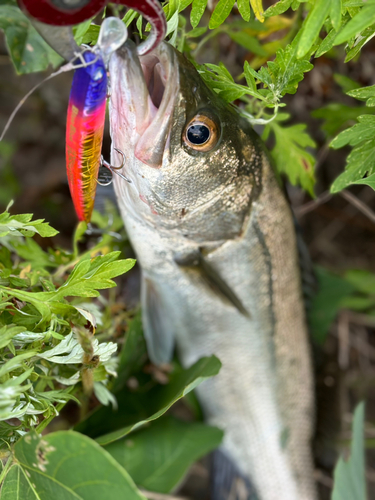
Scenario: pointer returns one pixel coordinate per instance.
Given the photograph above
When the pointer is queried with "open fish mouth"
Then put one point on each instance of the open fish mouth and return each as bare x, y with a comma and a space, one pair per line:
143, 96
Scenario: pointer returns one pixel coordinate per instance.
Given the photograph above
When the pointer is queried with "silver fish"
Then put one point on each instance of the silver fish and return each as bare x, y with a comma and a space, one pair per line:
215, 239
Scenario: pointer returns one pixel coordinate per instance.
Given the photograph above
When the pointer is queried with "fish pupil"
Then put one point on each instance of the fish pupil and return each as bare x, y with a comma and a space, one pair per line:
198, 134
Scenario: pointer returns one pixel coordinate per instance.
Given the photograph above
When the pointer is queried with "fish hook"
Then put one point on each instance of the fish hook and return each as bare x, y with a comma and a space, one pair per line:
113, 169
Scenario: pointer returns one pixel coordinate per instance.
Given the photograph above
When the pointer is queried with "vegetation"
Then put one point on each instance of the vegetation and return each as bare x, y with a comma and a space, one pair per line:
62, 342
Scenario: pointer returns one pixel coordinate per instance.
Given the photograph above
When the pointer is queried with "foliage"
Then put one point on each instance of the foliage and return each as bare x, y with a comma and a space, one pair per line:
54, 350
360, 161
47, 316
350, 474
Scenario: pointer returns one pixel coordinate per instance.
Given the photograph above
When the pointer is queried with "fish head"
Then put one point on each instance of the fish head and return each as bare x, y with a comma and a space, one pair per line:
194, 162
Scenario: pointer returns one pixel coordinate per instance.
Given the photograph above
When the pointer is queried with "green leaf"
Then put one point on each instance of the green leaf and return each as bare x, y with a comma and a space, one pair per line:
248, 42
178, 444
349, 476
337, 115
136, 409
133, 354
221, 12
290, 152
361, 160
364, 94
313, 25
364, 19
360, 41
27, 49
197, 11
335, 13
332, 292
17, 486
368, 181
244, 9
7, 332
66, 466
22, 225
278, 8
90, 275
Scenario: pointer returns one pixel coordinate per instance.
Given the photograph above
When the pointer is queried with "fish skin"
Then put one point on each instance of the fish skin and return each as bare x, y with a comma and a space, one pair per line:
197, 220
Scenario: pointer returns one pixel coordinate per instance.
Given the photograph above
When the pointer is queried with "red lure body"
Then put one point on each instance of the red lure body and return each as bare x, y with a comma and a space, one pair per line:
84, 133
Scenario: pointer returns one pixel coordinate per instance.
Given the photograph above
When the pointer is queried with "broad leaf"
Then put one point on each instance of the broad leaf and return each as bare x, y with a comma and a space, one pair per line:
178, 444
66, 466
349, 476
137, 408
27, 49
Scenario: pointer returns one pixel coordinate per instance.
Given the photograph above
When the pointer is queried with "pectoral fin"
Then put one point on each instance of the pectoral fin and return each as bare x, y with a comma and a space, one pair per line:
211, 279
157, 324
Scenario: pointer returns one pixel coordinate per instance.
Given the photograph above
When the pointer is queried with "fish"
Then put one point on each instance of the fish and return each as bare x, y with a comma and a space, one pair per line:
215, 238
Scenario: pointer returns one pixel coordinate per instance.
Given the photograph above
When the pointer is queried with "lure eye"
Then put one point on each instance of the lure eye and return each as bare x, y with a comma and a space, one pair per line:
201, 133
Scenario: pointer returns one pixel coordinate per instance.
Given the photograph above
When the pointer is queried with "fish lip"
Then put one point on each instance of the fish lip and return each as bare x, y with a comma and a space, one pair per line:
144, 90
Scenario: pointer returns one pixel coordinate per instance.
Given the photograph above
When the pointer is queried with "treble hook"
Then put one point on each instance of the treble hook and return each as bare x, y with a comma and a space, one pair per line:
113, 170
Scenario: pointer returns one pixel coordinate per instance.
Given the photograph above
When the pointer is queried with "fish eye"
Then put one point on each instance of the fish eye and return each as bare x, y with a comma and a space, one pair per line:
201, 133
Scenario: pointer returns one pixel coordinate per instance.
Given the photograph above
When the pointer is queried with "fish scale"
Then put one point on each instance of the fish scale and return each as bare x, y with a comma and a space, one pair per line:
220, 272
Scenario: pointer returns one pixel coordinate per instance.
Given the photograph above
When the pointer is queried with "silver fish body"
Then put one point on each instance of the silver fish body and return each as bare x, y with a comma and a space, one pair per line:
215, 239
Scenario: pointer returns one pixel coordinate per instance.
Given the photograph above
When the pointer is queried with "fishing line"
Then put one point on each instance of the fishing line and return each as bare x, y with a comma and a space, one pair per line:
69, 66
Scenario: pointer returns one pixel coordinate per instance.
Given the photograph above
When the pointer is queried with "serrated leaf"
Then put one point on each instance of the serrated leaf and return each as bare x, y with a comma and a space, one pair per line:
360, 41
360, 132
244, 9
258, 9
337, 115
220, 13
363, 94
349, 476
197, 11
69, 351
178, 444
312, 26
136, 409
368, 181
66, 466
360, 162
22, 225
290, 153
27, 49
361, 21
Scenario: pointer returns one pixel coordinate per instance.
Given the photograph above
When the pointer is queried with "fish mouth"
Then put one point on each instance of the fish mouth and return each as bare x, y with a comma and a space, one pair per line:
144, 90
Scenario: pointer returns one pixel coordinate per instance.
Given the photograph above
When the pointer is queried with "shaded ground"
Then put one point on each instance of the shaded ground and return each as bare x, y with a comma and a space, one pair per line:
339, 235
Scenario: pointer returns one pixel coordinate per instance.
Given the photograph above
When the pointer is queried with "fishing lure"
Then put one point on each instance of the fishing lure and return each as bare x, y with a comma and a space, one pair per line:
84, 132
87, 103
86, 117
